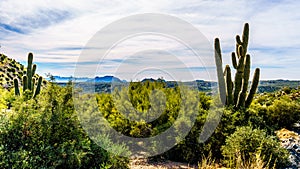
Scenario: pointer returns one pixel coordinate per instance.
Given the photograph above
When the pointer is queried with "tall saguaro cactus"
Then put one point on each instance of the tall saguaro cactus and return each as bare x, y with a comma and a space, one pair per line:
29, 79
236, 93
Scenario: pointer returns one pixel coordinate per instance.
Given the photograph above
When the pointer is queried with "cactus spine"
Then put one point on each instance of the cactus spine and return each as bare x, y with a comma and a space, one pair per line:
29, 80
236, 93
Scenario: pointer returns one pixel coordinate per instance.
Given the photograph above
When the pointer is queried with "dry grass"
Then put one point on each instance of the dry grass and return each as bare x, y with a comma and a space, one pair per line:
206, 163
254, 163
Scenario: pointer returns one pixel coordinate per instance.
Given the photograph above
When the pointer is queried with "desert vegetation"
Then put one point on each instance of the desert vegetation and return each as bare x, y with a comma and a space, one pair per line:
40, 128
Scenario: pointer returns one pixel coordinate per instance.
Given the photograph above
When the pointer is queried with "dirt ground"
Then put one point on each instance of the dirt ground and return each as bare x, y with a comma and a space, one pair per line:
144, 164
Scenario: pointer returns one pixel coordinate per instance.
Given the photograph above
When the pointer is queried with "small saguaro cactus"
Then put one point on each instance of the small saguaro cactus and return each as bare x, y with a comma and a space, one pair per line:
29, 79
236, 92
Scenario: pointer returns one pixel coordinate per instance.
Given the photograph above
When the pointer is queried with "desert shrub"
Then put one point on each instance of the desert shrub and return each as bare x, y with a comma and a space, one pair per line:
277, 112
46, 133
128, 111
246, 143
6, 98
284, 112
190, 148
287, 90
4, 95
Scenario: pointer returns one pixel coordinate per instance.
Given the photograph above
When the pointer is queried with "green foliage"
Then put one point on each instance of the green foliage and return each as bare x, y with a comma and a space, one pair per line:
278, 110
236, 92
6, 98
118, 110
247, 142
146, 109
46, 133
135, 104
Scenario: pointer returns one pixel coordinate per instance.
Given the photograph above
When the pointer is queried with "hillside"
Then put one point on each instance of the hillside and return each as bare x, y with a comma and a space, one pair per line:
11, 69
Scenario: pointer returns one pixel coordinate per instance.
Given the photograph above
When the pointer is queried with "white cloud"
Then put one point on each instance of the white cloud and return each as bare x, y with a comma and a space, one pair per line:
55, 30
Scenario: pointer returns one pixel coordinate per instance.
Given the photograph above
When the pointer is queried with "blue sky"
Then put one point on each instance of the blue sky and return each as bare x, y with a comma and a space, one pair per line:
56, 31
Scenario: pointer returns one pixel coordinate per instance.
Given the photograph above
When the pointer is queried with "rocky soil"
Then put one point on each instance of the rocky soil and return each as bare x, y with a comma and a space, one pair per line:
291, 141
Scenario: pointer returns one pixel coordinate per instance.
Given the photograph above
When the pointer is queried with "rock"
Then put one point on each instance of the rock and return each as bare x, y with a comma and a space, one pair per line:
290, 140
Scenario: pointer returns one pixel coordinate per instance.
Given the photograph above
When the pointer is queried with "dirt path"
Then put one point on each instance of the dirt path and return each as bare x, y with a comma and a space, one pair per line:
144, 164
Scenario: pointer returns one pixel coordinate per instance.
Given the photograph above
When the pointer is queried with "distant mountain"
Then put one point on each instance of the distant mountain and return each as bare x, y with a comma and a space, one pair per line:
148, 80
274, 85
105, 79
201, 85
153, 80
61, 79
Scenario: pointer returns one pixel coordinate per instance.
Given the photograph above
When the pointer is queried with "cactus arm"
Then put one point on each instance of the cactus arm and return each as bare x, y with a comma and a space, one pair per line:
229, 86
33, 70
221, 80
238, 40
240, 51
25, 84
253, 89
238, 43
16, 84
233, 58
38, 87
245, 37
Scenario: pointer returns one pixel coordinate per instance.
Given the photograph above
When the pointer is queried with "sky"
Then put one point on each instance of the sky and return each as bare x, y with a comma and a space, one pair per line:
58, 32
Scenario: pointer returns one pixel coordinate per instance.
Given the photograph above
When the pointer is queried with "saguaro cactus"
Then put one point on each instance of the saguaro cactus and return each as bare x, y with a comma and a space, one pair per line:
236, 93
29, 79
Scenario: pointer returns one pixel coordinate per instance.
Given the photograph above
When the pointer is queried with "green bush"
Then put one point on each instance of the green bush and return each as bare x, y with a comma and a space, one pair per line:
277, 111
45, 133
247, 143
153, 100
6, 98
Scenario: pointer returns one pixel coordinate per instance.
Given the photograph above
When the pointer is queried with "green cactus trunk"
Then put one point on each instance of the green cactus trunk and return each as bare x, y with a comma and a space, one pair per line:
242, 95
16, 85
29, 71
238, 79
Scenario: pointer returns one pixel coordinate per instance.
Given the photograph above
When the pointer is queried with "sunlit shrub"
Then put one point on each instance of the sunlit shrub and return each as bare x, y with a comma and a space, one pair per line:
46, 133
246, 143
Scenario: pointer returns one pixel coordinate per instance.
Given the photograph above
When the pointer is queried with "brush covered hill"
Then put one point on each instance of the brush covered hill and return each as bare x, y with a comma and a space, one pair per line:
10, 69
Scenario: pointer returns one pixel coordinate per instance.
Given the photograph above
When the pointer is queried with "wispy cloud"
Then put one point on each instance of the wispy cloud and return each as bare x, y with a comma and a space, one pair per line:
56, 31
